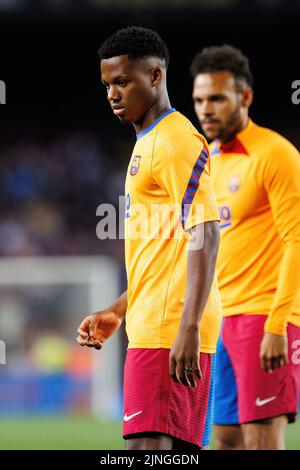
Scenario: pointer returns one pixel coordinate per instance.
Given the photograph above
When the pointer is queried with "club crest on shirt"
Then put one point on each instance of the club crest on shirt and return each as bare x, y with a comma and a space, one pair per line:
135, 165
234, 183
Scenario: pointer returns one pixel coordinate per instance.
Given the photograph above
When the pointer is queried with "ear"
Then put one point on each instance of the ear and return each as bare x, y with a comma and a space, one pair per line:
156, 76
247, 97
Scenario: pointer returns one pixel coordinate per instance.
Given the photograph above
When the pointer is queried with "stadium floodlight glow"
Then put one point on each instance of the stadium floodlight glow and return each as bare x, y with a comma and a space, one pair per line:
2, 92
2, 353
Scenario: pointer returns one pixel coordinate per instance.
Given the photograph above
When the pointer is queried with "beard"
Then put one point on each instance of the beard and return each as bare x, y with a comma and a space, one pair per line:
232, 126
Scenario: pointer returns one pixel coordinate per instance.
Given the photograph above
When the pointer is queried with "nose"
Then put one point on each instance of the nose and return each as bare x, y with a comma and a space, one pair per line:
112, 94
207, 108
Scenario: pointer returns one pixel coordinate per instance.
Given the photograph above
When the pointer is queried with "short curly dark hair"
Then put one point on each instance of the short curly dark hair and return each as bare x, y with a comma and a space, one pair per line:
137, 43
223, 58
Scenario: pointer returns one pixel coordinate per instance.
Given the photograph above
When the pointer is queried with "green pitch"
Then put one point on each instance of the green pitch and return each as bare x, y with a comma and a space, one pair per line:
78, 432
61, 433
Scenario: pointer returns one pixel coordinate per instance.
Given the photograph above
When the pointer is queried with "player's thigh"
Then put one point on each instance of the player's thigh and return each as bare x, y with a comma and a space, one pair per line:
149, 441
228, 437
266, 434
157, 441
179, 445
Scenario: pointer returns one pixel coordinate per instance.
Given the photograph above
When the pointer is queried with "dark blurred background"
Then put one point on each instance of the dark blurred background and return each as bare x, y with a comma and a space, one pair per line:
63, 153
62, 150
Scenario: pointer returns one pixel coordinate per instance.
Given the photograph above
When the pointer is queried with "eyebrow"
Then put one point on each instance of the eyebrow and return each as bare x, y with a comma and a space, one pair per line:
119, 77
211, 97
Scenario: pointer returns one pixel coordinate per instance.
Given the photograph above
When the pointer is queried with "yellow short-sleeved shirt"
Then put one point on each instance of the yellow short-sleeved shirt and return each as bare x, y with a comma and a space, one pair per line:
168, 191
256, 177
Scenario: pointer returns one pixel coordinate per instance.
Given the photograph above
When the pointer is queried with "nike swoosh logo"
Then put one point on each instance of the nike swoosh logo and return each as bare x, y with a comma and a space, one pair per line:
128, 418
260, 402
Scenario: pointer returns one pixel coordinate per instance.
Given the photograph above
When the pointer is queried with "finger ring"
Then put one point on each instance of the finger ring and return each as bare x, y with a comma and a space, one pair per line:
188, 369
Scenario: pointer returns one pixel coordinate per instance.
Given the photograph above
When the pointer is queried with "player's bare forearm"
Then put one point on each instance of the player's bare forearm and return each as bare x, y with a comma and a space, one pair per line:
201, 264
120, 306
95, 329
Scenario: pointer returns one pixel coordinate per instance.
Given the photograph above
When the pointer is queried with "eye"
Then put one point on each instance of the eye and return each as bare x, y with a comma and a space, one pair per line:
122, 83
218, 99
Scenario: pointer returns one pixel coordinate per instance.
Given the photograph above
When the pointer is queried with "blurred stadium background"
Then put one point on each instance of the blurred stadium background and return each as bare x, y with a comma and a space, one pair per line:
63, 154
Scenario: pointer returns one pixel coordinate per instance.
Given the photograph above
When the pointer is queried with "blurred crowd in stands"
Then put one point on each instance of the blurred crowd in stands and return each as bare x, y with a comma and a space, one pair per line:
50, 190
49, 194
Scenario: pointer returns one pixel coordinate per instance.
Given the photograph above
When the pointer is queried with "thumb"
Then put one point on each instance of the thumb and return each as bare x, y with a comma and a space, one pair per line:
92, 326
84, 328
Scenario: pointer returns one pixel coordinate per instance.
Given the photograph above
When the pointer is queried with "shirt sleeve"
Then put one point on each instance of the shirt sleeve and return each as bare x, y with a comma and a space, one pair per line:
181, 168
281, 179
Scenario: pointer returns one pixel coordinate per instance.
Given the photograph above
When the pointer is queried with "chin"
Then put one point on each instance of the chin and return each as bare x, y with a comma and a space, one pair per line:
211, 135
125, 120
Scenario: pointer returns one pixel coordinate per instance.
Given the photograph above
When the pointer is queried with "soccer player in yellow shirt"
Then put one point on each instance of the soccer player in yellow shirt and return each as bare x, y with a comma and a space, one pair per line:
256, 176
172, 304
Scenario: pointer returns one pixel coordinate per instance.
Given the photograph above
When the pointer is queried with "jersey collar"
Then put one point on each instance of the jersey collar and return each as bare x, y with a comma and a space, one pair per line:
149, 128
237, 144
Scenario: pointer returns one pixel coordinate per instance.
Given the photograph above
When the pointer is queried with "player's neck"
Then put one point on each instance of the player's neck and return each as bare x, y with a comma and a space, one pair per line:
153, 113
239, 128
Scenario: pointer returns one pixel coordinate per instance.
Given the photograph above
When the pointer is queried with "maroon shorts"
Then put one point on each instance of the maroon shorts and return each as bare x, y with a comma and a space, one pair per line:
153, 402
244, 391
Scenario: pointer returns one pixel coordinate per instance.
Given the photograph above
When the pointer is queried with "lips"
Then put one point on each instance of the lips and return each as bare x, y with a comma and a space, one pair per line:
209, 123
118, 110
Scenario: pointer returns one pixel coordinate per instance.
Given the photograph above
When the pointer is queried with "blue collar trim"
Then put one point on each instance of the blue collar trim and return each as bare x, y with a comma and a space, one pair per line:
149, 128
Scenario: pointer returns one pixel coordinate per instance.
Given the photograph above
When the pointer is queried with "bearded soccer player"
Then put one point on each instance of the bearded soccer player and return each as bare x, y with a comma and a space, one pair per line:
256, 176
172, 304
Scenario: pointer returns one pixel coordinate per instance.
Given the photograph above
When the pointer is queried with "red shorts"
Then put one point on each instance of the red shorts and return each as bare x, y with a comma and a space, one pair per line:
153, 402
245, 392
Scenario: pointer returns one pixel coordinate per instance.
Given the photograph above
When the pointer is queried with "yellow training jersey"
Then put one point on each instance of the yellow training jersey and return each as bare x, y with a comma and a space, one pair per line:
168, 191
256, 178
